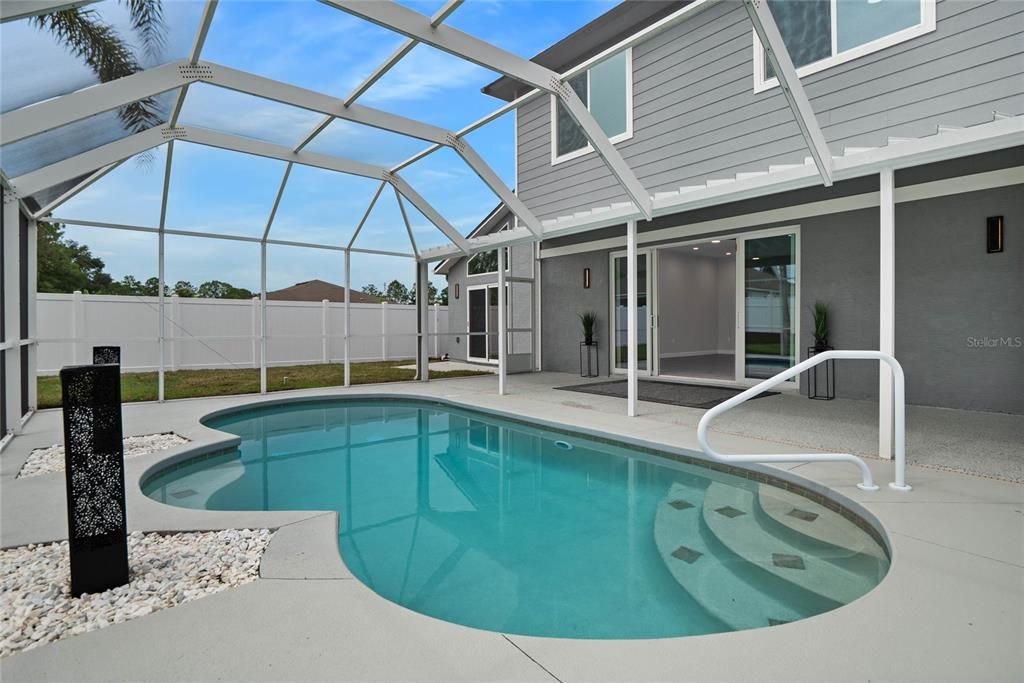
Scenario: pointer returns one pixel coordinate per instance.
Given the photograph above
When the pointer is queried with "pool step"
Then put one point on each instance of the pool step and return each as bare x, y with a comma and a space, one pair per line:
712, 577
817, 523
731, 515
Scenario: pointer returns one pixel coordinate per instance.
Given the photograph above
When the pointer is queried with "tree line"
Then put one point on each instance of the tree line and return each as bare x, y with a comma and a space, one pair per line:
397, 293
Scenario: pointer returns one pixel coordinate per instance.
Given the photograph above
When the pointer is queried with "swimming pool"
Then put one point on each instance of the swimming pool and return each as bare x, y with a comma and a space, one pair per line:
501, 525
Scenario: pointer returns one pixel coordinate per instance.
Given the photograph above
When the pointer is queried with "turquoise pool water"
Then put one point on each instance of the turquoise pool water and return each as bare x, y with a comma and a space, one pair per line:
499, 525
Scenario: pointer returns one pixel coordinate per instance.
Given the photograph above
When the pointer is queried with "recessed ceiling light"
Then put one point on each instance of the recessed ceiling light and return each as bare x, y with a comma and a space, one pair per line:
696, 248
728, 253
756, 258
716, 241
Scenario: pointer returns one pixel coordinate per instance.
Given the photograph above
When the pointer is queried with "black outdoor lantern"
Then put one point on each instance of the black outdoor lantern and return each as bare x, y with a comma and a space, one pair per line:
994, 234
94, 476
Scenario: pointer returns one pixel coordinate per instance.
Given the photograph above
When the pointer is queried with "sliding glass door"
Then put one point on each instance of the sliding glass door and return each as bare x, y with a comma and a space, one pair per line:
769, 304
620, 317
483, 322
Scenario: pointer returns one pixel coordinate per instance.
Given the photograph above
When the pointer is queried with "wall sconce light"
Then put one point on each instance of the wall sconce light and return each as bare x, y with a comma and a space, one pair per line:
456, 290
586, 278
994, 234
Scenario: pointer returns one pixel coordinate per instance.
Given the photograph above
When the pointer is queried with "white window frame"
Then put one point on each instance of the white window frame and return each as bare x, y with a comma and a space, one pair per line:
589, 148
927, 25
494, 272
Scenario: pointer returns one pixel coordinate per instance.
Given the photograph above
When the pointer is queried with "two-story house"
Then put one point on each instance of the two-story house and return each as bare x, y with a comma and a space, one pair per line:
747, 238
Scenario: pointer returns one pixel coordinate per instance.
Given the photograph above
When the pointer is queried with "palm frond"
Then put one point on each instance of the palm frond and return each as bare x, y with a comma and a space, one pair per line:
106, 54
148, 23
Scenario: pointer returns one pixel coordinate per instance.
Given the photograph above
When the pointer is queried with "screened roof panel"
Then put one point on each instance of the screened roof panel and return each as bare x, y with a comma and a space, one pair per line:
364, 143
384, 228
129, 195
452, 188
34, 66
213, 190
433, 86
237, 113
321, 207
61, 143
308, 44
195, 261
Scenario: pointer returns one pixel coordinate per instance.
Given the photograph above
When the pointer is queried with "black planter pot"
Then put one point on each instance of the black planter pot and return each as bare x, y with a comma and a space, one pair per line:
588, 341
820, 344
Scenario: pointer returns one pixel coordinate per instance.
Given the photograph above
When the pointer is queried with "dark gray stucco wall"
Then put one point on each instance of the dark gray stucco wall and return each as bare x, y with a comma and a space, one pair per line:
839, 267
563, 298
951, 295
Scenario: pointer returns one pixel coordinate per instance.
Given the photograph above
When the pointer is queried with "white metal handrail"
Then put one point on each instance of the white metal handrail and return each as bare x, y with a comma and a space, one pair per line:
867, 483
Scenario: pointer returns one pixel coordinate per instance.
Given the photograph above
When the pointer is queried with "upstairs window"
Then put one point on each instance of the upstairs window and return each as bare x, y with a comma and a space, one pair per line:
607, 90
822, 33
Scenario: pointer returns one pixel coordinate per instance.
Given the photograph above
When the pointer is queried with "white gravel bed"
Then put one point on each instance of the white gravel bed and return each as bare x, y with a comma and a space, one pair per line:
36, 606
51, 458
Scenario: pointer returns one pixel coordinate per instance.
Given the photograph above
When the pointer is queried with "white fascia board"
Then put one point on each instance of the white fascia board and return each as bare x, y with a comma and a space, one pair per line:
768, 32
395, 17
12, 10
424, 207
60, 111
251, 84
497, 185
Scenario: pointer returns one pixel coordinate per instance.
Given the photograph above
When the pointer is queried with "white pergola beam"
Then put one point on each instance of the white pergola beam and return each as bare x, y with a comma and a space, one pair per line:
60, 111
497, 185
414, 25
12, 10
424, 207
87, 162
778, 56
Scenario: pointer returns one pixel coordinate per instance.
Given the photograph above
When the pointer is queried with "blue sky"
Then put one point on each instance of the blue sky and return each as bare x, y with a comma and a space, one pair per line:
321, 48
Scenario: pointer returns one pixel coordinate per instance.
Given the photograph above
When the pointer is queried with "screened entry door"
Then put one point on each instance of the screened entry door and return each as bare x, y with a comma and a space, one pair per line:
770, 302
483, 323
620, 316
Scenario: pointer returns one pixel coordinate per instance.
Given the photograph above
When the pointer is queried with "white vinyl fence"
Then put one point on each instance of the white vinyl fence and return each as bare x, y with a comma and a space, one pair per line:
224, 333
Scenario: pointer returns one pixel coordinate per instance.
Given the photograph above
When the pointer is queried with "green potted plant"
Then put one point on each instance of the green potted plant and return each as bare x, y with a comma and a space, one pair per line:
820, 312
589, 322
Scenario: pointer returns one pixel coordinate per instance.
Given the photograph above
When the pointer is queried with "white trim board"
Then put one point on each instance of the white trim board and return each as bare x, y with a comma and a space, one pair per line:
909, 193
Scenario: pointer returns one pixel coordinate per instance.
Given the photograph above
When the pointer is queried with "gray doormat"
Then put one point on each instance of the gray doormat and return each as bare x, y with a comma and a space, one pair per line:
672, 393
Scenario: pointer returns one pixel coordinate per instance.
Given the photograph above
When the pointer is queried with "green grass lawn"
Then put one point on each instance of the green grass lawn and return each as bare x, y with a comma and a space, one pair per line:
141, 386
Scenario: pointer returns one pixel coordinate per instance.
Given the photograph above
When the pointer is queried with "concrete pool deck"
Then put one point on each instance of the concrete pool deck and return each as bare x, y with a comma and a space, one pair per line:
951, 607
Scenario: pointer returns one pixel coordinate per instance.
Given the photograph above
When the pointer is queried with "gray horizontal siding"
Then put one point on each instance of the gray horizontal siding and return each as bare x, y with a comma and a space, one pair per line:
696, 115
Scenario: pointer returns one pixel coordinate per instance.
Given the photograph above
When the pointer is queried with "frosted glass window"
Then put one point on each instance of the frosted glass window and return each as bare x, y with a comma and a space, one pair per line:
862, 21
608, 98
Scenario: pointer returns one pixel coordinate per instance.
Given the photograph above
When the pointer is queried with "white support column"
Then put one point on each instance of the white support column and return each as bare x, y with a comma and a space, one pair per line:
631, 331
502, 324
422, 326
324, 311
348, 314
437, 329
161, 327
384, 330
886, 309
263, 318
12, 308
33, 287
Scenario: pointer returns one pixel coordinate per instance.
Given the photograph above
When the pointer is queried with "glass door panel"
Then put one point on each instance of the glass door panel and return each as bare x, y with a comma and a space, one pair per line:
769, 297
478, 323
492, 323
620, 310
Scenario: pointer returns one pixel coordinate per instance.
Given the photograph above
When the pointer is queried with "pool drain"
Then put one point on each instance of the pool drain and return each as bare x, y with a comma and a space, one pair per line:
564, 445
